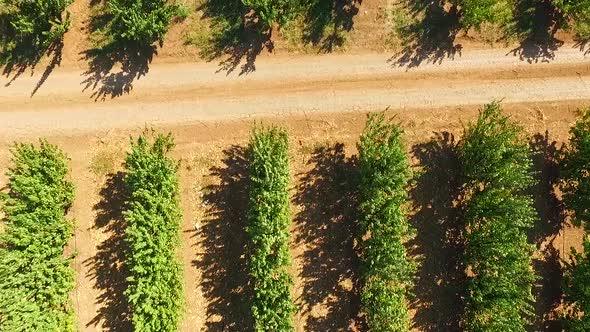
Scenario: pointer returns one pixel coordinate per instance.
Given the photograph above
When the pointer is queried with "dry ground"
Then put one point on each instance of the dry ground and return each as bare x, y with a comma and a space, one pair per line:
213, 183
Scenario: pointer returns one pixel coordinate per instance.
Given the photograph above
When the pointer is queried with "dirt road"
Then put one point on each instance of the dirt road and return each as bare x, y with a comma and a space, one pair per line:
70, 101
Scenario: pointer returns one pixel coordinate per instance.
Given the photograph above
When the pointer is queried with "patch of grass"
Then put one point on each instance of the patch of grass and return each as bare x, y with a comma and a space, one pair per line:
492, 34
105, 162
308, 148
294, 34
202, 162
199, 33
401, 18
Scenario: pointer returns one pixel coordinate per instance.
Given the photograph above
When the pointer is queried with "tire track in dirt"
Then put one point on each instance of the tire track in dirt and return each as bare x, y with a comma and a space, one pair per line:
180, 93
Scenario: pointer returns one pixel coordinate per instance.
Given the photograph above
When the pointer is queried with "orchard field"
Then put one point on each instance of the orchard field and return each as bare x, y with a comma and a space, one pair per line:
116, 41
294, 165
326, 270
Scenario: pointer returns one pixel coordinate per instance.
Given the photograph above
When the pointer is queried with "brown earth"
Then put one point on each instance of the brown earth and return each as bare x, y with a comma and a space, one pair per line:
213, 176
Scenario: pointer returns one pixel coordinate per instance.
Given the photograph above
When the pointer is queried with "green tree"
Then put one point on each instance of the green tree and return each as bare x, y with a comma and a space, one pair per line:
272, 11
153, 215
474, 13
576, 190
28, 28
387, 272
141, 22
35, 278
577, 13
497, 169
268, 229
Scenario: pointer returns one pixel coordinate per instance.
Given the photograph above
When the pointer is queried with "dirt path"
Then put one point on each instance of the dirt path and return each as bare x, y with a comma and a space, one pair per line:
179, 93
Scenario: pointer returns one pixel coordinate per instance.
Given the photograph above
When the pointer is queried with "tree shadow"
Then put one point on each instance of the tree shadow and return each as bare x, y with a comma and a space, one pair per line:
223, 241
431, 38
26, 55
537, 21
113, 67
236, 33
551, 212
325, 227
582, 44
335, 17
438, 220
107, 267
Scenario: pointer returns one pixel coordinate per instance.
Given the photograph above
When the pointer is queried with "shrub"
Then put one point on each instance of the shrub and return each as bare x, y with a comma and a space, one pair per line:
153, 215
35, 277
141, 22
29, 27
477, 12
497, 169
576, 190
268, 229
576, 171
387, 272
577, 12
272, 11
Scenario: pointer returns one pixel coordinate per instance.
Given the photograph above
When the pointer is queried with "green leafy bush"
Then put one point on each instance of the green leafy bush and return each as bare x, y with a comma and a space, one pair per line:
497, 169
140, 22
477, 12
268, 229
387, 272
272, 11
577, 12
35, 277
576, 292
575, 171
29, 27
576, 190
153, 215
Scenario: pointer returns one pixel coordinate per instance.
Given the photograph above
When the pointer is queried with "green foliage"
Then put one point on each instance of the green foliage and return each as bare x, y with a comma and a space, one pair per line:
29, 27
272, 11
578, 13
576, 190
494, 153
576, 281
141, 22
268, 229
477, 12
387, 271
153, 216
497, 168
35, 277
575, 173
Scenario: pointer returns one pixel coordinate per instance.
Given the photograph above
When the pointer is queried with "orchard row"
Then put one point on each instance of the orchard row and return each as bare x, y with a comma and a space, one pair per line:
36, 277
29, 29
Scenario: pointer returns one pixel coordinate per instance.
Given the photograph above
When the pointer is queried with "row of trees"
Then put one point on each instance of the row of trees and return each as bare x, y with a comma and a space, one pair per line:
36, 278
576, 191
35, 275
387, 272
153, 215
268, 230
497, 172
497, 169
571, 14
30, 28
